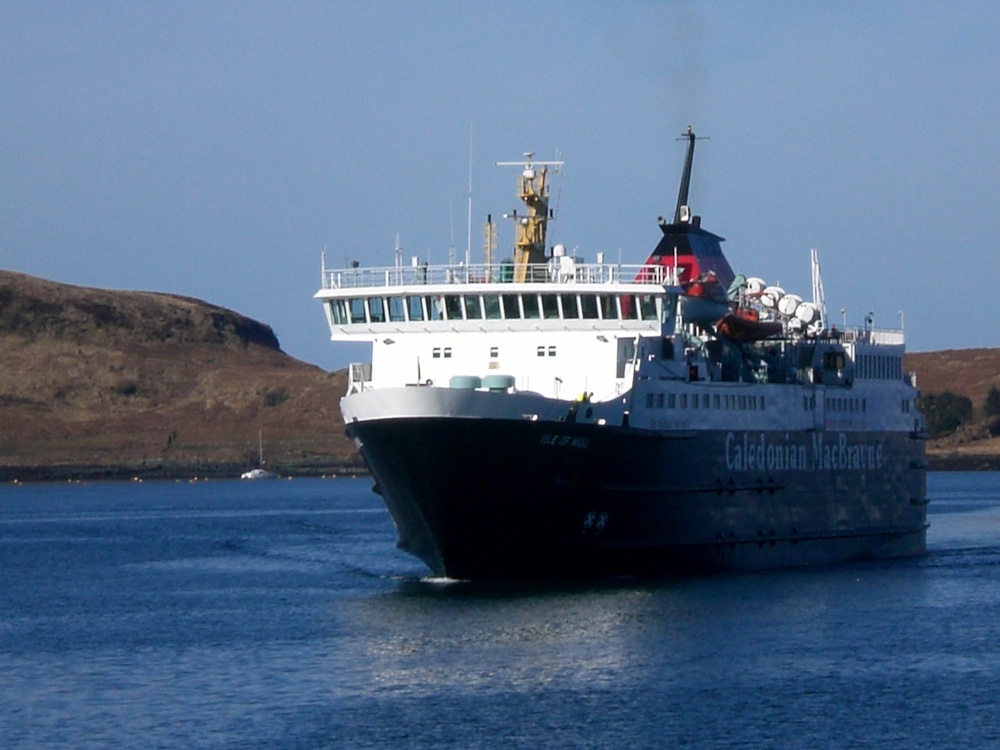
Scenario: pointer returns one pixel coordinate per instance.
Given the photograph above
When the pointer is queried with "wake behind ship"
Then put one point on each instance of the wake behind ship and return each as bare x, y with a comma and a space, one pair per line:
545, 416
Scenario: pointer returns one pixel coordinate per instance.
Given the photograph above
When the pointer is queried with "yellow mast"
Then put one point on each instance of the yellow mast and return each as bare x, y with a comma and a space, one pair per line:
529, 247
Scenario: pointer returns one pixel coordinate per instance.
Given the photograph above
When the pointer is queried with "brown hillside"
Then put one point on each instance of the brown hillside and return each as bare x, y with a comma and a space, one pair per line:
967, 372
970, 373
112, 382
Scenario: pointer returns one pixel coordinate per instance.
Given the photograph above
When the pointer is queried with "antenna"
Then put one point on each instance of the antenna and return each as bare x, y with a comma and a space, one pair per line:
451, 248
468, 242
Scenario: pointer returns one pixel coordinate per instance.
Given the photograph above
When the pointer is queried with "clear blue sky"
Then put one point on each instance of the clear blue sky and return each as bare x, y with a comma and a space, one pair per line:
215, 149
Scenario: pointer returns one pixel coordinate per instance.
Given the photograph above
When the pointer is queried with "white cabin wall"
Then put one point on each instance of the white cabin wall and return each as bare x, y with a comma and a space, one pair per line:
581, 362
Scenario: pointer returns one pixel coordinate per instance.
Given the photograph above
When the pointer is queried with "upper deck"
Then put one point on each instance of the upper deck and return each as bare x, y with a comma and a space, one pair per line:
560, 270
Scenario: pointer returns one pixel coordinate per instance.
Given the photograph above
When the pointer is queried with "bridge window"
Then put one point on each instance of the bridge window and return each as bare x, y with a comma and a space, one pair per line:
492, 304
396, 310
588, 303
415, 308
569, 308
530, 304
550, 307
376, 310
338, 312
453, 306
356, 307
647, 307
511, 310
435, 308
472, 309
609, 307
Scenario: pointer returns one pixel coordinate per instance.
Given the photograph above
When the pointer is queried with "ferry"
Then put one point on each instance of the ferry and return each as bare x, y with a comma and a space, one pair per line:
547, 416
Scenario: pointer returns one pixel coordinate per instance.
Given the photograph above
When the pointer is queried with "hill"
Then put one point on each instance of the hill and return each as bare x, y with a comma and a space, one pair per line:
970, 373
115, 383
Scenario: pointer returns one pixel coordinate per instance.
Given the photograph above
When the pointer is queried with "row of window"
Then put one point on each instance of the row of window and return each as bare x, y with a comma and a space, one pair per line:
731, 402
842, 405
549, 306
879, 367
836, 404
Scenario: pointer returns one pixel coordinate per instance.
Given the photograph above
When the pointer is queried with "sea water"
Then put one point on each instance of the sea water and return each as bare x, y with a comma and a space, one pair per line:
278, 614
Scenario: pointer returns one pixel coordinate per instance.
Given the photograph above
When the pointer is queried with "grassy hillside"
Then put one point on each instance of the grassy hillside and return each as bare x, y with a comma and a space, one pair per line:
967, 372
96, 382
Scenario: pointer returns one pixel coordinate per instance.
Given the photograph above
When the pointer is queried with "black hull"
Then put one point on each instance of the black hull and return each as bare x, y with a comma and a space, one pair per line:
478, 498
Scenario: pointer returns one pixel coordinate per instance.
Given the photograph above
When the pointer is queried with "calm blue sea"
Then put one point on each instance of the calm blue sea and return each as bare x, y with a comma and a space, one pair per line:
279, 615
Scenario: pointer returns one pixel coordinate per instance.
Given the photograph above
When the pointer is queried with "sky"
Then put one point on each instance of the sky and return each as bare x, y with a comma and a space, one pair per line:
217, 150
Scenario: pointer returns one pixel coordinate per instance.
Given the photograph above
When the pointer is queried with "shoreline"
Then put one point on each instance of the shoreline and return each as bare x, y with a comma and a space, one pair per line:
187, 472
223, 470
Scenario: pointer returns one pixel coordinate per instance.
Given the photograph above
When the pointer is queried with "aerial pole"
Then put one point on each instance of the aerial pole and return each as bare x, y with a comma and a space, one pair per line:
468, 239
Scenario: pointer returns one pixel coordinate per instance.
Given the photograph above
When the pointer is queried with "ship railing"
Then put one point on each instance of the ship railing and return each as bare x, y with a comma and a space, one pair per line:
877, 336
573, 272
359, 376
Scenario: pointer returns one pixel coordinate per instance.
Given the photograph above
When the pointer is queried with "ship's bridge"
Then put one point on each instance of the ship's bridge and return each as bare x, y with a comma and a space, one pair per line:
567, 328
363, 303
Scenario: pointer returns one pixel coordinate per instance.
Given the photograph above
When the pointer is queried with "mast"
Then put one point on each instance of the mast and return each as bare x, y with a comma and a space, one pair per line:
533, 190
819, 297
490, 245
683, 213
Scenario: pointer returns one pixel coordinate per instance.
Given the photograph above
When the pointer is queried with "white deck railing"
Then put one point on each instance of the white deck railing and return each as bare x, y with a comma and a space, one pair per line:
880, 336
547, 273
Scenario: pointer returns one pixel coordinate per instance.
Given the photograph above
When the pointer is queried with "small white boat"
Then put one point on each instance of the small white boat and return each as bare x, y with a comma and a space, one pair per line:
260, 472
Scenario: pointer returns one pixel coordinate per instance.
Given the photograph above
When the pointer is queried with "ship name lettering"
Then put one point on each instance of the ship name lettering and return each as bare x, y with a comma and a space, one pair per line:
840, 455
565, 440
759, 453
